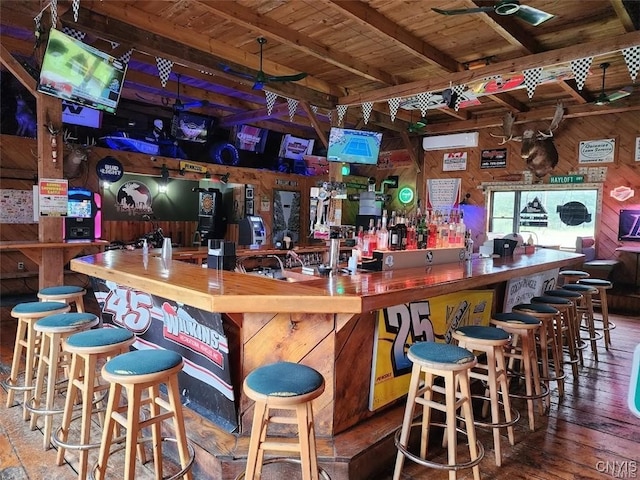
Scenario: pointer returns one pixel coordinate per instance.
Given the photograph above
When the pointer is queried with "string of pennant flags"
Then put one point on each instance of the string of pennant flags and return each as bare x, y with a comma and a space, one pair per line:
579, 67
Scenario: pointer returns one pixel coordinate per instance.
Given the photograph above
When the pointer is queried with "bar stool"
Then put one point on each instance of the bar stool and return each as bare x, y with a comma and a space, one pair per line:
136, 372
523, 329
572, 276
547, 341
87, 349
600, 300
491, 341
453, 364
53, 329
26, 343
283, 386
64, 293
575, 298
585, 311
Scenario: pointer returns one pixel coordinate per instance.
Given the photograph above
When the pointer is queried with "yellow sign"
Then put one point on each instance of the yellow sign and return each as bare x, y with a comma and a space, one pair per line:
192, 167
431, 320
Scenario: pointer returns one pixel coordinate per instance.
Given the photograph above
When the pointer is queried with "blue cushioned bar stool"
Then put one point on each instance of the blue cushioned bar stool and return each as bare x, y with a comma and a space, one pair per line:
87, 349
283, 386
572, 276
451, 363
547, 344
53, 329
69, 294
137, 372
585, 312
523, 329
573, 333
492, 342
28, 314
600, 300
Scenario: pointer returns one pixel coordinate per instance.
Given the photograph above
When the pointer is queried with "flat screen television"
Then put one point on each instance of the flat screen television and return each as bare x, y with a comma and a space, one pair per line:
629, 226
353, 146
295, 148
249, 138
79, 73
191, 127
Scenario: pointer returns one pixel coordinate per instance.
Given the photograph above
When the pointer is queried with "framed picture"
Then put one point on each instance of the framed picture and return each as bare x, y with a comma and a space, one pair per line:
629, 226
248, 207
248, 192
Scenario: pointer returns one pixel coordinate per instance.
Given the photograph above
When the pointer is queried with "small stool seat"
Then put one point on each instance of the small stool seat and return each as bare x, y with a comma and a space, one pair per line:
87, 349
53, 329
64, 293
492, 342
600, 301
283, 386
572, 276
453, 364
27, 314
136, 372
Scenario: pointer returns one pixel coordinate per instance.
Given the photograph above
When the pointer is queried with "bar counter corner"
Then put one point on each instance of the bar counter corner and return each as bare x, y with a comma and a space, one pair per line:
237, 322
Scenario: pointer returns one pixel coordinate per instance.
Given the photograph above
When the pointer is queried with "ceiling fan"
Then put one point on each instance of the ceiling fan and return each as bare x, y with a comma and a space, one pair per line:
261, 78
506, 8
418, 126
179, 106
603, 97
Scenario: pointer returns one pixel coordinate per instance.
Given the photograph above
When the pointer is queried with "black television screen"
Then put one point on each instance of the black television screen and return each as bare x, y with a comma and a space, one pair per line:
252, 139
629, 226
77, 72
191, 127
353, 146
295, 148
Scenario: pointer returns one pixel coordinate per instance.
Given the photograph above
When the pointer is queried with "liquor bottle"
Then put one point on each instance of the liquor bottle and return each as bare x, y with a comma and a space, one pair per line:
421, 234
373, 237
383, 234
432, 240
394, 240
402, 232
462, 230
412, 235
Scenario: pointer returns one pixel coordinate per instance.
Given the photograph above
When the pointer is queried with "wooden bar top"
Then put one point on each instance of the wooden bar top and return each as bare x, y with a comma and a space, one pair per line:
33, 244
231, 292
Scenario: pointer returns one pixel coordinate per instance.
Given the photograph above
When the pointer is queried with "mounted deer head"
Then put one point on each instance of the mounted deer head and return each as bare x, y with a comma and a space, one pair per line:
538, 148
76, 156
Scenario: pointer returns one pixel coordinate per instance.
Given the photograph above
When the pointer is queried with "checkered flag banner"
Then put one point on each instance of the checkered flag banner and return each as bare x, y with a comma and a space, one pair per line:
293, 105
330, 117
114, 45
54, 13
531, 79
314, 109
580, 70
72, 32
38, 21
423, 101
458, 90
271, 100
394, 103
342, 109
75, 6
126, 56
367, 107
164, 69
632, 59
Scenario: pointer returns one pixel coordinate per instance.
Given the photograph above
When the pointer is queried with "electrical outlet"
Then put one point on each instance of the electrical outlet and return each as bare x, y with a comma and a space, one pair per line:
20, 265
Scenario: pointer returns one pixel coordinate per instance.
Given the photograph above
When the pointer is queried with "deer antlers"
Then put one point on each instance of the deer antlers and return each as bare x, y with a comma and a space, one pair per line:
509, 120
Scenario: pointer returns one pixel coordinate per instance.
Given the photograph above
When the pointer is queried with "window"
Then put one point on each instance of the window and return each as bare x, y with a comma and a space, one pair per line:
554, 215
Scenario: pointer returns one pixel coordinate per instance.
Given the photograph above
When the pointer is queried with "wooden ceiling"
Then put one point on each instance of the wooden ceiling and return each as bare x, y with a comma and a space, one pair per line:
354, 52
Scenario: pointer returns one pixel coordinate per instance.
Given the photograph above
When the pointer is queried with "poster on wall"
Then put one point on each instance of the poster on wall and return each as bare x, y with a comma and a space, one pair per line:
430, 320
494, 158
523, 289
53, 197
454, 161
637, 156
597, 151
629, 226
443, 193
16, 206
394, 159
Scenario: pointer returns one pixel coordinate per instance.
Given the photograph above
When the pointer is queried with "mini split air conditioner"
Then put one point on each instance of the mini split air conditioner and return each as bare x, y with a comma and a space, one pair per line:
445, 142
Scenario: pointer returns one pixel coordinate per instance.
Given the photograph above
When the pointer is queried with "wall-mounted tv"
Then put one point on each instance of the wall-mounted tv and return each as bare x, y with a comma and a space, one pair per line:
191, 127
295, 148
77, 72
353, 146
629, 226
252, 139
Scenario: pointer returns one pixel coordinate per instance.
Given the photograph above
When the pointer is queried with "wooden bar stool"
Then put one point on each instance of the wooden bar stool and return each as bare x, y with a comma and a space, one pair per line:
600, 300
27, 313
523, 329
87, 349
136, 372
492, 342
283, 386
64, 293
585, 311
53, 329
572, 276
547, 342
572, 334
453, 364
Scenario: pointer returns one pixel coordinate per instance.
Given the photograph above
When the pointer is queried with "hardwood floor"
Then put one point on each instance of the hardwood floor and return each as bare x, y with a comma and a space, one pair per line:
589, 434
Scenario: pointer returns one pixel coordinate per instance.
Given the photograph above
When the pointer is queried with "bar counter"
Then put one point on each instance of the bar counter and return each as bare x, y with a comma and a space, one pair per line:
327, 323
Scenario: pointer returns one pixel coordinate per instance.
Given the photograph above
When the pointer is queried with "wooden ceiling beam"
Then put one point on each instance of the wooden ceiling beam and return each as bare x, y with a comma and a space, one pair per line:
313, 119
623, 15
18, 71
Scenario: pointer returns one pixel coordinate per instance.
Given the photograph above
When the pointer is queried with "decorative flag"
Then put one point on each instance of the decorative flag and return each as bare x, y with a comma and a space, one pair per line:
367, 107
293, 105
72, 32
632, 59
126, 56
314, 109
164, 69
531, 79
113, 44
423, 100
394, 103
38, 20
342, 109
54, 13
271, 100
580, 70
458, 90
330, 117
75, 5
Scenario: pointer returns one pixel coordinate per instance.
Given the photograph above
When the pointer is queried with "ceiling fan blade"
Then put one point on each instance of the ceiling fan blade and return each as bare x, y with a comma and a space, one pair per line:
532, 15
623, 92
228, 69
286, 78
463, 11
195, 104
258, 85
